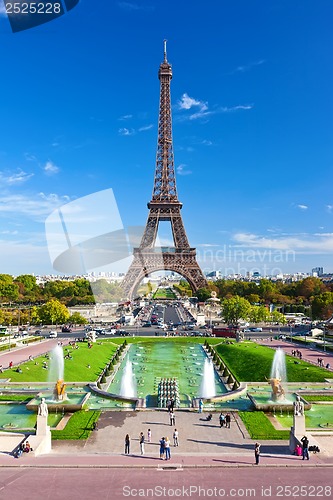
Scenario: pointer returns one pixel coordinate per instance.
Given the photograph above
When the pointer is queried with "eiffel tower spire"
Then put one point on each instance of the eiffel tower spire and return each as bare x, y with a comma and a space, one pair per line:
165, 181
164, 206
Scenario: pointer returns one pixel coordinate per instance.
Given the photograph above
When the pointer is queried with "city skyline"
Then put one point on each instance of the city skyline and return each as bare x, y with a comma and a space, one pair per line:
252, 108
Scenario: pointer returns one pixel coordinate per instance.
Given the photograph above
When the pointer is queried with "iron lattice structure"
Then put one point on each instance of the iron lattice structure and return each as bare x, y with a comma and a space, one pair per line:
164, 206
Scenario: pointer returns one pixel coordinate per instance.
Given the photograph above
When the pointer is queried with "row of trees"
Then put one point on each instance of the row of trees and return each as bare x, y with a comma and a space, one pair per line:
53, 312
310, 295
25, 290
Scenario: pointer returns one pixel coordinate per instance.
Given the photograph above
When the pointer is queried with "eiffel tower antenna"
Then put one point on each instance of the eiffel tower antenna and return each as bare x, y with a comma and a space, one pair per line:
164, 206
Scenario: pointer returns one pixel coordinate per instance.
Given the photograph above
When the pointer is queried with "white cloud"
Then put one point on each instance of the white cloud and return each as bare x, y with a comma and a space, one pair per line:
181, 170
125, 117
247, 67
329, 208
206, 142
126, 131
187, 102
35, 206
17, 178
319, 243
302, 207
146, 127
50, 168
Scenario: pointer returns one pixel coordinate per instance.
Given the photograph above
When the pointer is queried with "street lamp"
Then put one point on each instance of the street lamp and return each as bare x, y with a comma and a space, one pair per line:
324, 338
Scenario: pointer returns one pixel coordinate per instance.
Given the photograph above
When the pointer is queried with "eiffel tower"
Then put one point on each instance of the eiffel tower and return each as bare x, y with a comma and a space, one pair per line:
164, 206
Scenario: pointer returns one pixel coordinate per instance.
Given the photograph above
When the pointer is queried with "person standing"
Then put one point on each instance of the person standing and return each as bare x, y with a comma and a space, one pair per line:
162, 448
305, 448
167, 448
149, 435
142, 443
227, 420
257, 452
172, 418
200, 405
175, 438
127, 444
221, 419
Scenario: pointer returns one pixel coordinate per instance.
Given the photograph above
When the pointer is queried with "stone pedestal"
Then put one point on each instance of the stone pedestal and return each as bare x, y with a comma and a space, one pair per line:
297, 431
42, 428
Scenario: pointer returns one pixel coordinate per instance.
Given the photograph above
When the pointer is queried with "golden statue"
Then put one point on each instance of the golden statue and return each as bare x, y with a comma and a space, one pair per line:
277, 389
59, 390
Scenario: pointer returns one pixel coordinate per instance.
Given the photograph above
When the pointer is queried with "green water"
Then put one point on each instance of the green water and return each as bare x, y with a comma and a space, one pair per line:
317, 417
152, 361
21, 418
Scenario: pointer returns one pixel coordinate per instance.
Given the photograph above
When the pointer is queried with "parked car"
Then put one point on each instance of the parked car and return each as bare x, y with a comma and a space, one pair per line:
124, 333
53, 334
66, 329
147, 324
38, 332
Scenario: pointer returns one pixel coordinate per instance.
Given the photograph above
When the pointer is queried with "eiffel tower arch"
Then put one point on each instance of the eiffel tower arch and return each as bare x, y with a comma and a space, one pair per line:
164, 206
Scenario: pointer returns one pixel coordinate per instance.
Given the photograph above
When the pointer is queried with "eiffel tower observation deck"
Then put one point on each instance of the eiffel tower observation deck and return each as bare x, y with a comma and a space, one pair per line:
164, 206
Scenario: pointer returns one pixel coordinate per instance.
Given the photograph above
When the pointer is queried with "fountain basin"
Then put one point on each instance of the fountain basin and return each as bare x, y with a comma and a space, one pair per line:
74, 402
263, 402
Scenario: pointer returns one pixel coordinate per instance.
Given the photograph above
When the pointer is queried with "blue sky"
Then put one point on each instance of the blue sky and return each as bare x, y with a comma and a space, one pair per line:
252, 126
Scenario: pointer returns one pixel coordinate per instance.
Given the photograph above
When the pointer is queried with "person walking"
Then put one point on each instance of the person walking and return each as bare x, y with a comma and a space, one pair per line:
257, 452
142, 443
221, 419
175, 438
305, 448
167, 448
149, 435
227, 420
200, 405
127, 444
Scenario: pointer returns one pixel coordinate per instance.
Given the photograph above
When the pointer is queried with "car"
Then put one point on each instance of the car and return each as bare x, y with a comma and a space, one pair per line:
147, 324
66, 329
38, 332
53, 334
124, 333
282, 337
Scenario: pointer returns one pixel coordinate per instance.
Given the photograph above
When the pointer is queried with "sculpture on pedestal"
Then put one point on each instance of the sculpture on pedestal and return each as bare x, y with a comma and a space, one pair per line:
43, 409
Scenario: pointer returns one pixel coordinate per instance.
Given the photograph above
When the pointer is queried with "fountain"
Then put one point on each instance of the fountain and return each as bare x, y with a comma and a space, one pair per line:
278, 375
128, 381
57, 373
207, 388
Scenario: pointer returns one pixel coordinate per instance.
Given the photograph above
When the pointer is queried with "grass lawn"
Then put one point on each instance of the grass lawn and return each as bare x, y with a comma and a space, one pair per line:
250, 362
76, 369
15, 397
164, 294
79, 426
259, 427
313, 398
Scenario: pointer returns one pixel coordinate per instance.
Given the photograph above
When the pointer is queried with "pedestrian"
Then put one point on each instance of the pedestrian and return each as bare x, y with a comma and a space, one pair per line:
142, 443
227, 420
127, 444
221, 419
149, 435
172, 404
257, 452
175, 438
172, 418
200, 406
162, 449
305, 448
167, 448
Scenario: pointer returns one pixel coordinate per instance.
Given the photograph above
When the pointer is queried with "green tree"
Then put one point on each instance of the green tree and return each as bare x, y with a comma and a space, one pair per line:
77, 319
53, 312
235, 309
